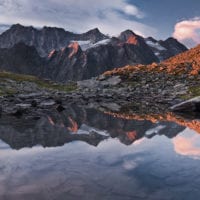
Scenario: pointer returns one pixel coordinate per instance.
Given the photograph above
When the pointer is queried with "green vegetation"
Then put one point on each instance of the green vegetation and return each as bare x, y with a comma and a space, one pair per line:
19, 78
7, 91
193, 91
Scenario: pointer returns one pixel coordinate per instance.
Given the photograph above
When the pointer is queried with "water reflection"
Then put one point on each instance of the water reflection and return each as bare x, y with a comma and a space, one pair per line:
80, 124
187, 144
92, 155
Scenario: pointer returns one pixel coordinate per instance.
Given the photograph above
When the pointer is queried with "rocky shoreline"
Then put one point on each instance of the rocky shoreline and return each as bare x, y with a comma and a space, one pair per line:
142, 92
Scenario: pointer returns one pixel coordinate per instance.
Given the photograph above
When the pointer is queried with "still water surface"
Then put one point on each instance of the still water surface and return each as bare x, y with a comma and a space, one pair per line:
85, 154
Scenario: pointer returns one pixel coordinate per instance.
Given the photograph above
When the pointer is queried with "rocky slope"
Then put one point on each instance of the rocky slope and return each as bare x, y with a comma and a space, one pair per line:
67, 56
184, 64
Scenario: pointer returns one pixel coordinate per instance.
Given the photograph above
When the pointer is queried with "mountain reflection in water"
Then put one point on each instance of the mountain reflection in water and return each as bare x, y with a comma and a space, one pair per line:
89, 154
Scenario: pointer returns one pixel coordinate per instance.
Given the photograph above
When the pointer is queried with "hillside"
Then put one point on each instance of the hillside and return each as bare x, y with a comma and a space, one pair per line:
186, 63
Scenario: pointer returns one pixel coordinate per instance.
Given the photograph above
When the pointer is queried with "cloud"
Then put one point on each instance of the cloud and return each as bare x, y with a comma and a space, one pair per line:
187, 144
187, 31
78, 16
133, 10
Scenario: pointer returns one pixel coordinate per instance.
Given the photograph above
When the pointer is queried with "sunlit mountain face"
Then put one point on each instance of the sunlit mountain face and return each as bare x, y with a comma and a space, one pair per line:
186, 63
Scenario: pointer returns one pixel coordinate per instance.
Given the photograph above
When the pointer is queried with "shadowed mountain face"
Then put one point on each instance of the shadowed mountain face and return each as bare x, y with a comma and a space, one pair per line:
64, 55
21, 59
72, 63
79, 124
165, 49
45, 39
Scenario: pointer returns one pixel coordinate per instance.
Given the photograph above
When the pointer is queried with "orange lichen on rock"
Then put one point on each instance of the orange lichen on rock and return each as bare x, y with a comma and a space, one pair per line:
185, 63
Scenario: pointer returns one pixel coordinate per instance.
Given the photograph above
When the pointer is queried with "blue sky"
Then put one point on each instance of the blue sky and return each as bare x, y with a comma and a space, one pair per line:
164, 14
157, 18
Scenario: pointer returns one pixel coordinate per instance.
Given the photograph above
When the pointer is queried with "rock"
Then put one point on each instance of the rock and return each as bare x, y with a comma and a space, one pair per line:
90, 84
34, 103
111, 106
112, 81
1, 110
30, 95
60, 108
47, 103
23, 105
192, 105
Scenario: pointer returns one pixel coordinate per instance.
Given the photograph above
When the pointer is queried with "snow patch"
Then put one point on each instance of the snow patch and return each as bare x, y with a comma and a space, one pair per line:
155, 130
155, 45
87, 44
84, 129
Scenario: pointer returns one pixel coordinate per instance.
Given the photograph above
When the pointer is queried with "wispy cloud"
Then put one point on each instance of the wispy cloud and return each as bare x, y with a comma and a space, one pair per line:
187, 31
79, 15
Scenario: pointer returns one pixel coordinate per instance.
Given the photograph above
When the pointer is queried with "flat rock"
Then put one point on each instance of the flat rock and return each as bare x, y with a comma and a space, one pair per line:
23, 105
112, 81
111, 106
47, 103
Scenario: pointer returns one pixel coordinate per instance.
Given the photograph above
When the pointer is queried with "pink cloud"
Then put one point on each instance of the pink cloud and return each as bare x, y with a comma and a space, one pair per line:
187, 146
187, 32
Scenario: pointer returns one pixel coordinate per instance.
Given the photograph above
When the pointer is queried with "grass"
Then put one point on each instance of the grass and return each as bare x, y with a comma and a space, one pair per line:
193, 91
5, 91
45, 84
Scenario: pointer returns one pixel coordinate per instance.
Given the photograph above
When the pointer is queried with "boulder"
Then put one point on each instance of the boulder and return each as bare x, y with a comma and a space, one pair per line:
191, 105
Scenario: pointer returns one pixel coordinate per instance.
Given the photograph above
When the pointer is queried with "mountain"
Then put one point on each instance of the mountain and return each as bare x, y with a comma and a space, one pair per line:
81, 124
165, 49
21, 59
62, 55
45, 39
73, 63
184, 64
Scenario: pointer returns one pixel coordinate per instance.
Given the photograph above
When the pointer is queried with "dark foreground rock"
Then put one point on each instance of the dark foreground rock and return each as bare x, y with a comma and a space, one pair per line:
191, 105
110, 94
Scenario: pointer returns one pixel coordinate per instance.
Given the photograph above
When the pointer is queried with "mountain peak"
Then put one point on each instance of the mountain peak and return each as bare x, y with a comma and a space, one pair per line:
48, 28
130, 37
151, 39
95, 31
126, 34
17, 26
94, 35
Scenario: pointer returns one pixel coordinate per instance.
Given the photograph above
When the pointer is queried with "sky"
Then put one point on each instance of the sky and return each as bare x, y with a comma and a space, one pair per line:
158, 18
